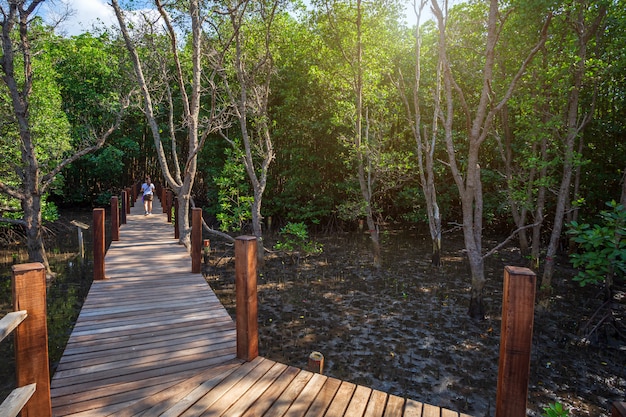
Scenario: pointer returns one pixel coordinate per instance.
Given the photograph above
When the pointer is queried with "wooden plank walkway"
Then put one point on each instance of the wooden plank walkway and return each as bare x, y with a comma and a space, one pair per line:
154, 340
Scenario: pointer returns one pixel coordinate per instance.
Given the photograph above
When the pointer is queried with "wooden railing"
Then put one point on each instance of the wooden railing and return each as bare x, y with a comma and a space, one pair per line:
28, 320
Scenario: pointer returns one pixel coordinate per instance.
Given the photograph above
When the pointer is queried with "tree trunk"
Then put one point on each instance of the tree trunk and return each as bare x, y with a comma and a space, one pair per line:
540, 205
622, 199
573, 127
34, 239
257, 227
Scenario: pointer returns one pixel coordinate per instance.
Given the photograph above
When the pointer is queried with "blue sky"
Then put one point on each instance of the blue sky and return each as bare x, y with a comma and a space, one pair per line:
89, 12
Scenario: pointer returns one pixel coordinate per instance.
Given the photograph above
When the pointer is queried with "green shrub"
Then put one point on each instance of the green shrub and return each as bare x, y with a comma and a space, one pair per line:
555, 410
602, 247
295, 238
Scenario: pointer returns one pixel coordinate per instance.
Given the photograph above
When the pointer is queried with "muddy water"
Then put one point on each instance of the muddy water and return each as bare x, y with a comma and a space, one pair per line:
404, 329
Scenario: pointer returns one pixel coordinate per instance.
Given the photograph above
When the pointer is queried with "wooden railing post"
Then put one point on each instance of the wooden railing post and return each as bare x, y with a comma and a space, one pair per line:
163, 198
31, 337
176, 222
115, 219
618, 409
168, 203
99, 244
124, 207
518, 302
246, 296
196, 240
129, 200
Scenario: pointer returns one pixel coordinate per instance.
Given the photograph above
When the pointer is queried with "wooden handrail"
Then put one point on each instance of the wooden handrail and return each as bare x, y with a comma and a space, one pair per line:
17, 399
10, 322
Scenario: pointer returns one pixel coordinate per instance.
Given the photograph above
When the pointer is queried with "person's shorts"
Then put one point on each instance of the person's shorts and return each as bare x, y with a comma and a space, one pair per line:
147, 197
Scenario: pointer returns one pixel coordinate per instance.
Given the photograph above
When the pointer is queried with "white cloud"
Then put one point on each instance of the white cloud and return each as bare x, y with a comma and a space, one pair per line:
84, 15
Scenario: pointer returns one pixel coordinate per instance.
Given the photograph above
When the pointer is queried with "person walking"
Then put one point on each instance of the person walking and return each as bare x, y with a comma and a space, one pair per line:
147, 188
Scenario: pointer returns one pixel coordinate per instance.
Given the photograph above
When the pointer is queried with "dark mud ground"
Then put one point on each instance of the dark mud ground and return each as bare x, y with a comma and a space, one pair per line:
404, 328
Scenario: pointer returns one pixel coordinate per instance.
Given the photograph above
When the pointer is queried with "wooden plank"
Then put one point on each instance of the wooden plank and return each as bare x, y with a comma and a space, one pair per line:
448, 413
169, 397
251, 396
267, 399
129, 365
239, 389
10, 322
341, 400
217, 392
324, 398
430, 411
112, 403
71, 385
376, 404
191, 398
395, 406
13, 404
144, 347
287, 397
304, 400
357, 405
413, 408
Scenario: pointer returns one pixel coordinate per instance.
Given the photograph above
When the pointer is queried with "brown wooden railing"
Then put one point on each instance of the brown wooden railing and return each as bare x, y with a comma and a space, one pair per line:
28, 321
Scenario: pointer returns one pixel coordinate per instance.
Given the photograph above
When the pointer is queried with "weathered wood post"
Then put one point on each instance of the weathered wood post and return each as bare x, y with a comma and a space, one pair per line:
124, 207
246, 298
163, 198
176, 230
170, 197
99, 244
31, 337
618, 409
316, 363
115, 219
518, 302
196, 240
129, 200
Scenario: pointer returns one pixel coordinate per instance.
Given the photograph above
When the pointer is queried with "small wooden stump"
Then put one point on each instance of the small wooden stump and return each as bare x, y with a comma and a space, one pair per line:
316, 362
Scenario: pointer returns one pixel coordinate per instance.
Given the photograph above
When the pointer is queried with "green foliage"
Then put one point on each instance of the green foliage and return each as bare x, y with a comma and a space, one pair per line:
295, 238
233, 193
555, 410
602, 246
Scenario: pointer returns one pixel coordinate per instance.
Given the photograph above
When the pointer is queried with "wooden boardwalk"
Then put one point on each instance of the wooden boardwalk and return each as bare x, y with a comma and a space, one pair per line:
154, 340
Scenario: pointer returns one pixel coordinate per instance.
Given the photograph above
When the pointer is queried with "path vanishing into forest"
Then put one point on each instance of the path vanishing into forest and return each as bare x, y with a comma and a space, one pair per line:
152, 339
